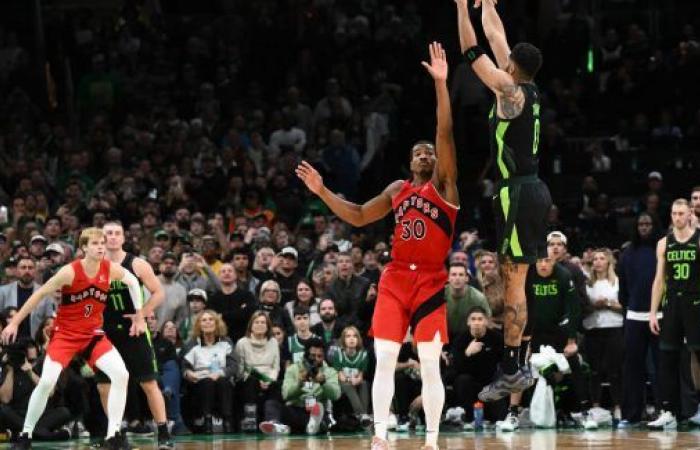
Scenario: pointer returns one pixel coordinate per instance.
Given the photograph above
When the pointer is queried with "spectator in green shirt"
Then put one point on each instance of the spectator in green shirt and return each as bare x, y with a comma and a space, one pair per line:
461, 298
351, 361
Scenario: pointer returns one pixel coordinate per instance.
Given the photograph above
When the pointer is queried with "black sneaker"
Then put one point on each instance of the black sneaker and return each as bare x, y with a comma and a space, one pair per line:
23, 442
165, 443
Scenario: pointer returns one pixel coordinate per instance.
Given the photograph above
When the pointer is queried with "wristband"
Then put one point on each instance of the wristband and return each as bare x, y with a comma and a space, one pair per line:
473, 53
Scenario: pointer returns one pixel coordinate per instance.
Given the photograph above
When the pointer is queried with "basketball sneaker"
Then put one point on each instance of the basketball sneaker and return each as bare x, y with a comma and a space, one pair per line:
274, 428
315, 419
505, 385
379, 444
510, 423
665, 421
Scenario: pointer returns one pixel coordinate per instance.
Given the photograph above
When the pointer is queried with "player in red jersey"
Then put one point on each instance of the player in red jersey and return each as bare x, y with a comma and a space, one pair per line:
78, 330
411, 287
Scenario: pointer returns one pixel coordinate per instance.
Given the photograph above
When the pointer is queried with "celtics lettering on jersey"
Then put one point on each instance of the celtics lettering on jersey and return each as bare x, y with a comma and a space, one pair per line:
546, 290
682, 271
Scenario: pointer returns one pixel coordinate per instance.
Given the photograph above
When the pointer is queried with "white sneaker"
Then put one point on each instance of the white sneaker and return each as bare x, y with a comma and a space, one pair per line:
695, 420
510, 423
588, 422
315, 419
665, 421
273, 428
392, 422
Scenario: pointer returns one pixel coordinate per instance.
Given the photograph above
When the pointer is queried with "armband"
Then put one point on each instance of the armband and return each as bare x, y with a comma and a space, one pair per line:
473, 53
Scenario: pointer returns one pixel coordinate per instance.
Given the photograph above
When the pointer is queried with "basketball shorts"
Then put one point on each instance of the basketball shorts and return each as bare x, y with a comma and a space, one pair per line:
680, 323
138, 355
411, 296
521, 206
63, 347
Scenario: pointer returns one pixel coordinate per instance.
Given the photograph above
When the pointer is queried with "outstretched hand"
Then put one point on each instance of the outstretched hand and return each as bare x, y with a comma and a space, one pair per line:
438, 62
310, 176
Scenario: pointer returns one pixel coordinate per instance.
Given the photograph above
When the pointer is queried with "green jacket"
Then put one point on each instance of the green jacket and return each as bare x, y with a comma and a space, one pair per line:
294, 390
554, 301
458, 308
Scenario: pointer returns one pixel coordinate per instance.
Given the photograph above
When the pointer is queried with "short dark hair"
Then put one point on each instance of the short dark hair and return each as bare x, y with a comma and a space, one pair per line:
528, 58
314, 342
477, 309
695, 189
459, 264
301, 310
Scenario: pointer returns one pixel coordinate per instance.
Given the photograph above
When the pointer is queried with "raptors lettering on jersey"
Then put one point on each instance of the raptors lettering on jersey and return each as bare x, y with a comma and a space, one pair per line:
83, 302
424, 225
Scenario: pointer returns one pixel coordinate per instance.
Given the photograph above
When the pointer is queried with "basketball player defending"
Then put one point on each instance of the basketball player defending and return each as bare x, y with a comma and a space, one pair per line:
137, 351
84, 284
411, 287
522, 200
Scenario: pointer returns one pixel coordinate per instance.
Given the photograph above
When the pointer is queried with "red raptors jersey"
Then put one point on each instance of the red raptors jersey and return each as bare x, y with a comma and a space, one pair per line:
82, 303
424, 225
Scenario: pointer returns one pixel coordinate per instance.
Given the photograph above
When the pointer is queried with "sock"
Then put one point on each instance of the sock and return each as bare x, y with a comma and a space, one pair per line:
112, 365
509, 365
40, 395
433, 391
522, 358
163, 430
387, 353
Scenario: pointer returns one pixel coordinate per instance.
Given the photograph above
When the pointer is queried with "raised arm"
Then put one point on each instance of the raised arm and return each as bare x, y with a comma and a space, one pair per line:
495, 33
496, 79
657, 288
446, 173
354, 214
62, 278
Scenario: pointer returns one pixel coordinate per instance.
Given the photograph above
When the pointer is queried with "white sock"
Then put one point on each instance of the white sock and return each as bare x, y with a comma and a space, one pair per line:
433, 392
40, 395
387, 353
112, 365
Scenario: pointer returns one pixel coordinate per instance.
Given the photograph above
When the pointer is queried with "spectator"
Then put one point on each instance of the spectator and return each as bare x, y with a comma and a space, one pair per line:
461, 298
258, 356
164, 344
285, 273
475, 353
235, 305
296, 342
351, 362
269, 301
190, 273
329, 328
557, 250
197, 301
348, 290
209, 369
308, 385
603, 327
174, 308
492, 284
261, 266
15, 294
306, 297
244, 278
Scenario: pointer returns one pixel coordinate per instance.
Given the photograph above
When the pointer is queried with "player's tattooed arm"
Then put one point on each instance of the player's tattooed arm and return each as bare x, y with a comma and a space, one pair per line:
511, 101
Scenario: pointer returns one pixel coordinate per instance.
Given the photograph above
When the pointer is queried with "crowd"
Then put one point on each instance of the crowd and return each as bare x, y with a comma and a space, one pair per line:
187, 130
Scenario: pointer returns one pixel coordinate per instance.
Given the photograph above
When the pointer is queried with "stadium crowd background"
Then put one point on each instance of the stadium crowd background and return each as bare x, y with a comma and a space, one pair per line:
185, 122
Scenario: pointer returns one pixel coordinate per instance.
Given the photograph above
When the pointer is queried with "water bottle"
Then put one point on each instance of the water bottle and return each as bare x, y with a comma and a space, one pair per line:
4, 218
214, 367
478, 416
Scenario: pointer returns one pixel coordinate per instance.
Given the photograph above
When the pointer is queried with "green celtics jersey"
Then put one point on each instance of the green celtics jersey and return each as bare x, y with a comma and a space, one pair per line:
682, 276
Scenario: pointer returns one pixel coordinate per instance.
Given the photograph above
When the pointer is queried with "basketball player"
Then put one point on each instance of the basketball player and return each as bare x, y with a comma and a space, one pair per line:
84, 284
137, 351
522, 200
677, 281
411, 287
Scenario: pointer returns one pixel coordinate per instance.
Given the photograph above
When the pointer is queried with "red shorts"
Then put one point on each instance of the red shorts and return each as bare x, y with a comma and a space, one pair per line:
63, 347
410, 295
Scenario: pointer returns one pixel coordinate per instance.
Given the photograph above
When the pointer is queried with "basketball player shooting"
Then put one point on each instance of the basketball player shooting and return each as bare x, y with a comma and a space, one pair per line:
411, 287
522, 200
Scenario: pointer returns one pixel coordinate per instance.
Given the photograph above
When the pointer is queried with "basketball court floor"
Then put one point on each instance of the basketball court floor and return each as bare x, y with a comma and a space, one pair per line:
535, 440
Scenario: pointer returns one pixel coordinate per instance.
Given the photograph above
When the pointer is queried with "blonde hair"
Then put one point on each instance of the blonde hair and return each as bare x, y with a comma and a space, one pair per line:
220, 330
89, 233
346, 330
610, 274
271, 285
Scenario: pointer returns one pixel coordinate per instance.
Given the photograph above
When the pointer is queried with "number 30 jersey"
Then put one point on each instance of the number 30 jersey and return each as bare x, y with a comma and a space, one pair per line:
119, 301
424, 225
83, 302
682, 267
